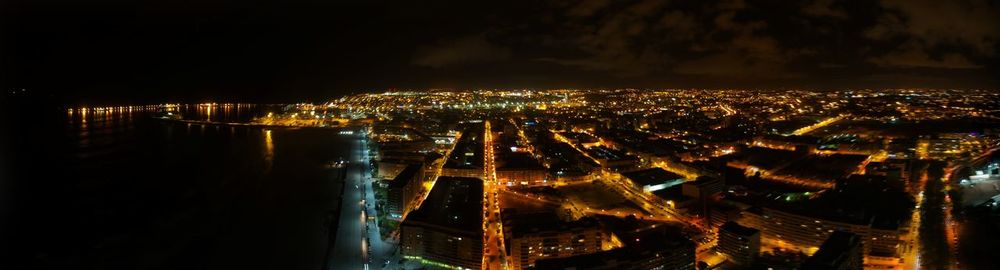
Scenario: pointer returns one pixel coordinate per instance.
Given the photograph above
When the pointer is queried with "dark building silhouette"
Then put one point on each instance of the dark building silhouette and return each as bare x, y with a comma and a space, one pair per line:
448, 227
842, 251
739, 244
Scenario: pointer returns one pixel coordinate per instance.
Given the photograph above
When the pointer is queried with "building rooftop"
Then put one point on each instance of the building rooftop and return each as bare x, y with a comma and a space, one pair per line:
544, 222
468, 152
704, 180
578, 137
519, 161
654, 176
674, 193
766, 158
454, 202
791, 139
823, 167
882, 208
404, 177
619, 225
407, 156
602, 152
834, 251
738, 229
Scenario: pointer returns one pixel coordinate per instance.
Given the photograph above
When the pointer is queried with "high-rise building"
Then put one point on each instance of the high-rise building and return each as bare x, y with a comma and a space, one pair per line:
841, 251
389, 168
721, 213
543, 235
805, 231
702, 190
447, 229
403, 189
703, 187
659, 248
741, 245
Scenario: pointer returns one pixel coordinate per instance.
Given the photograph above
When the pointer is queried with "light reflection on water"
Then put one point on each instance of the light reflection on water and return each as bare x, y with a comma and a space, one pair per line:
211, 112
269, 151
130, 185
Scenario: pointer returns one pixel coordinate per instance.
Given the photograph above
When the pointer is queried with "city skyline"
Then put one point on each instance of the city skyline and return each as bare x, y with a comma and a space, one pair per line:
511, 135
521, 179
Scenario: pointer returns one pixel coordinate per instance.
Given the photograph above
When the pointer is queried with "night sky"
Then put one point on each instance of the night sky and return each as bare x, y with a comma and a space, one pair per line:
212, 50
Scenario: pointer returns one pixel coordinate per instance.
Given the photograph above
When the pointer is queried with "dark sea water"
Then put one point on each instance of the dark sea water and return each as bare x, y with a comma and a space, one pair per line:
121, 190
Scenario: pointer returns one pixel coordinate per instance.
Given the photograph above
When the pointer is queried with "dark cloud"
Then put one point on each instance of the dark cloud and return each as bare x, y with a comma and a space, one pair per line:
914, 55
824, 8
304, 48
737, 39
614, 38
588, 8
460, 52
742, 49
678, 26
937, 34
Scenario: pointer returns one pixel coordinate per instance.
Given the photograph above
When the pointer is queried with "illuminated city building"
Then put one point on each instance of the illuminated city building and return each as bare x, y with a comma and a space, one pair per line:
577, 138
740, 245
535, 236
658, 248
951, 145
612, 159
895, 171
720, 213
790, 142
393, 142
403, 189
807, 231
520, 169
654, 179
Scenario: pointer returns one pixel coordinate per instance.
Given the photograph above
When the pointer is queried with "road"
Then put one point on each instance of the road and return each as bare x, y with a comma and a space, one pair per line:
358, 244
911, 256
658, 209
821, 124
494, 253
935, 252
